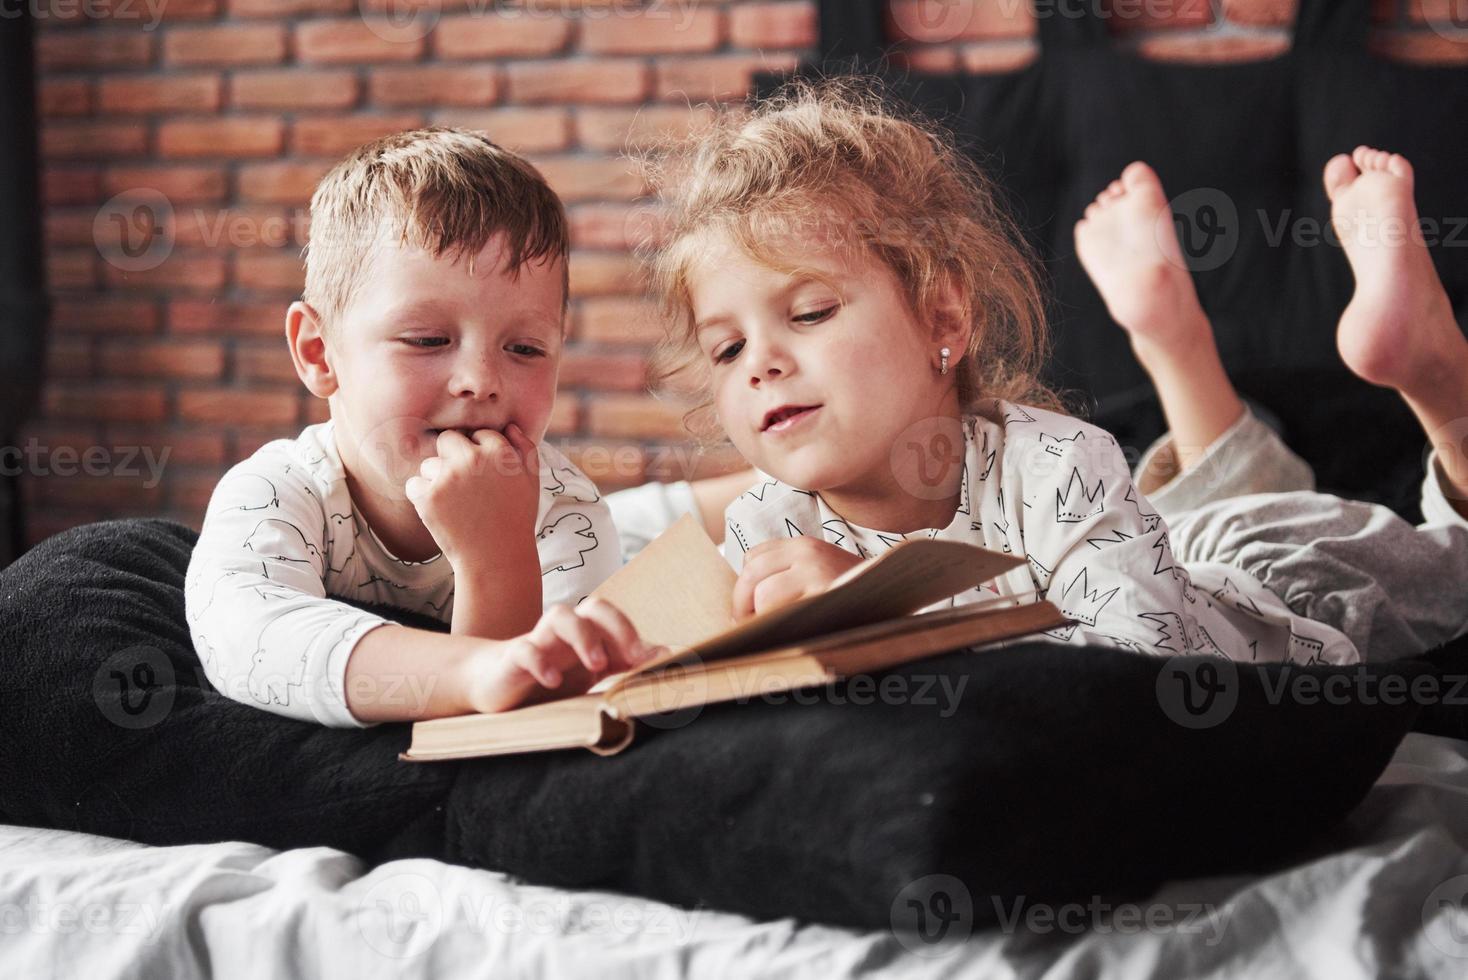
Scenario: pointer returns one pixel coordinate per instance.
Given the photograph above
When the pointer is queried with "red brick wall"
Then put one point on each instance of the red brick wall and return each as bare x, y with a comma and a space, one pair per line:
231, 109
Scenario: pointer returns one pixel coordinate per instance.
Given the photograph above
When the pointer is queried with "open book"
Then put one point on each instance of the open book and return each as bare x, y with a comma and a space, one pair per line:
678, 592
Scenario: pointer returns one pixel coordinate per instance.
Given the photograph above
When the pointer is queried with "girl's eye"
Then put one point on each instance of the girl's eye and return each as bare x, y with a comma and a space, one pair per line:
425, 341
730, 352
815, 316
525, 350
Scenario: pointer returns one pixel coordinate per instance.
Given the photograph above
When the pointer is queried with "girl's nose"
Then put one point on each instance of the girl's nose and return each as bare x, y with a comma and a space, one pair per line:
769, 361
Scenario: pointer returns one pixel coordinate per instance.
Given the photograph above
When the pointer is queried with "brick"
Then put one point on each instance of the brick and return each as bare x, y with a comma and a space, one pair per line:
265, 363
1210, 50
62, 227
187, 184
435, 85
288, 8
926, 57
590, 178
354, 41
66, 97
603, 274
71, 269
236, 136
1421, 48
999, 56
603, 371
503, 35
105, 315
1268, 13
294, 90
636, 416
282, 183
717, 78
58, 52
658, 29
71, 185
241, 407
172, 93
336, 135
187, 273
773, 25
93, 140
101, 496
190, 492
619, 321
1130, 16
565, 416
69, 357
185, 447
171, 358
190, 316
235, 44
619, 130
938, 22
612, 464
313, 409
537, 130
270, 271
115, 403
235, 228
616, 227
578, 81
174, 10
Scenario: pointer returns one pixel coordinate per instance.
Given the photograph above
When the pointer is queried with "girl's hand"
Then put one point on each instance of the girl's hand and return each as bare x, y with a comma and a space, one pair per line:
779, 572
569, 650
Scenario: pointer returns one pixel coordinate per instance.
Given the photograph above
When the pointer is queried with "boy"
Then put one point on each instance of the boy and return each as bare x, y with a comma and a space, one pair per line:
432, 323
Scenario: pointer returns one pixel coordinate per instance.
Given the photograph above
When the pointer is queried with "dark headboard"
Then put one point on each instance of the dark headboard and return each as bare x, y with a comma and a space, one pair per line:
1240, 147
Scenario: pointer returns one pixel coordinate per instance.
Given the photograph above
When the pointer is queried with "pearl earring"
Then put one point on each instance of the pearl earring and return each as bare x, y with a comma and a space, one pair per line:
943, 360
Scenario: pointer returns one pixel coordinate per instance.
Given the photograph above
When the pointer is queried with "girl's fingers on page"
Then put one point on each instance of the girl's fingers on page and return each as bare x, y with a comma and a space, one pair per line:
536, 660
778, 590
619, 635
581, 635
757, 568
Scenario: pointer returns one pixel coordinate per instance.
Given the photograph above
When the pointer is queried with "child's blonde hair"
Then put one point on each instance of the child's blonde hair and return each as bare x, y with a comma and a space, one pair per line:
832, 163
447, 191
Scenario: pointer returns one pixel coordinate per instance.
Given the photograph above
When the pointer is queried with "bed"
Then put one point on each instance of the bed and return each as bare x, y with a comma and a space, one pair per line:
1383, 896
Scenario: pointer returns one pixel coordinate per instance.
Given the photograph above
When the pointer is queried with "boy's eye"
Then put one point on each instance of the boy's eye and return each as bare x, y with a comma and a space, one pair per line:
815, 316
425, 341
727, 354
526, 350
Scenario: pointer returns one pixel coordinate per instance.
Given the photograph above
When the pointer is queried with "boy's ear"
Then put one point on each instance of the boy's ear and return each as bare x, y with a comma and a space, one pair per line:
952, 321
305, 333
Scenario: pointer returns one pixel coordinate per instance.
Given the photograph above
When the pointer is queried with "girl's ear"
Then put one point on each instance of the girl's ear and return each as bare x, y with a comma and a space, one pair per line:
305, 333
952, 322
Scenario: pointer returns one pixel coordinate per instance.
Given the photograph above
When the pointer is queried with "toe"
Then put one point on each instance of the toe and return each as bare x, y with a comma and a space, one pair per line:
1138, 174
1339, 172
1359, 156
1399, 166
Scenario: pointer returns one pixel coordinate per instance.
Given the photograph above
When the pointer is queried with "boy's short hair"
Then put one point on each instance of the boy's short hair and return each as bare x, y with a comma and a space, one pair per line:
448, 191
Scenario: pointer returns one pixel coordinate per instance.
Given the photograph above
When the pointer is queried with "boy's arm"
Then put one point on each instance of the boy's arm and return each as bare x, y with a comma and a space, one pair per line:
497, 594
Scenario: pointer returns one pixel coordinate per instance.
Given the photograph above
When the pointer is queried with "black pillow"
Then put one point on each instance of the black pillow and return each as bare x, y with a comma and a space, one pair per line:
1240, 147
1055, 773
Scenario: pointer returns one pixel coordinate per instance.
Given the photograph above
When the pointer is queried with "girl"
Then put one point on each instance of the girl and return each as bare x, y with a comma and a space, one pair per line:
869, 331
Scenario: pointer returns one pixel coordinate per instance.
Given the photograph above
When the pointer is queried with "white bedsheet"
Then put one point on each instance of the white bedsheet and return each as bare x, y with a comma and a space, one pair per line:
1384, 897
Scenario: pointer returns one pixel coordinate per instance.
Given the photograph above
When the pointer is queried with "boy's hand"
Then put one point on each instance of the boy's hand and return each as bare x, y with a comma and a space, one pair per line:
569, 650
786, 569
476, 493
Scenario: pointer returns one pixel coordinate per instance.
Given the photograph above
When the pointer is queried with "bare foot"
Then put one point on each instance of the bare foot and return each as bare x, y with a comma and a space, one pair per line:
1399, 330
1129, 248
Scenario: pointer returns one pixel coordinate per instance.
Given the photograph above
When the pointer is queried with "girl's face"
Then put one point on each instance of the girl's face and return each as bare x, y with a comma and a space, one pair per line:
815, 377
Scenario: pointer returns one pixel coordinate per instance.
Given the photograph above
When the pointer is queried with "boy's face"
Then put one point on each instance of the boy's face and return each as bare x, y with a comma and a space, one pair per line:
427, 345
854, 357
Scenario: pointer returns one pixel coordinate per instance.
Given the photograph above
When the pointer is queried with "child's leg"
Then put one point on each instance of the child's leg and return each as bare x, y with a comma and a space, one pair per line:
1215, 448
1399, 330
1395, 590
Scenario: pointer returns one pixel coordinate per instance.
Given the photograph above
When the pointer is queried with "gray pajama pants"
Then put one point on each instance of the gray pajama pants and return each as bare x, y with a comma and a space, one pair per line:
1395, 590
